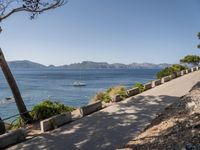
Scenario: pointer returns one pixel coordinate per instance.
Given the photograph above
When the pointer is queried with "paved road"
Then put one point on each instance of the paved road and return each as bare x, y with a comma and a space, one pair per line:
114, 126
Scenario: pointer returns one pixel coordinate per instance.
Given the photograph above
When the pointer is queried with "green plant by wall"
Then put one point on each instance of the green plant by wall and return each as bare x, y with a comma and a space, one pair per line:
170, 70
140, 86
16, 124
48, 108
178, 67
101, 96
109, 93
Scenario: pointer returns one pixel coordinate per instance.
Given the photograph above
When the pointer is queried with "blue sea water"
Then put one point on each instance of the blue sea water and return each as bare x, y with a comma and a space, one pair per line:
57, 85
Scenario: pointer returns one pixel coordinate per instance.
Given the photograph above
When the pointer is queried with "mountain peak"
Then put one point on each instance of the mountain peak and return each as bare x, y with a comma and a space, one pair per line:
87, 65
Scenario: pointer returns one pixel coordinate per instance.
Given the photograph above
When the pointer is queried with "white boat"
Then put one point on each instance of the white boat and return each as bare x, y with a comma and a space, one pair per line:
77, 83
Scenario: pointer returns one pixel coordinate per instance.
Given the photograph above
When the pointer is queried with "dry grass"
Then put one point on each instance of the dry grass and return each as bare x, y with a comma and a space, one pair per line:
108, 94
121, 90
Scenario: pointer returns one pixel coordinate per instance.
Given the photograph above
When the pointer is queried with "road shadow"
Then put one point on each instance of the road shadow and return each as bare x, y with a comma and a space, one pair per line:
109, 128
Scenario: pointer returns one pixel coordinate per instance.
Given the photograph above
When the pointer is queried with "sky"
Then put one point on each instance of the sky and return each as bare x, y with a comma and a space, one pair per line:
114, 31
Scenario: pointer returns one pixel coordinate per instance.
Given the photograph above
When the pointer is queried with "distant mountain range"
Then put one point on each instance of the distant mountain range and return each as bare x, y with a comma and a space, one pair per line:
88, 65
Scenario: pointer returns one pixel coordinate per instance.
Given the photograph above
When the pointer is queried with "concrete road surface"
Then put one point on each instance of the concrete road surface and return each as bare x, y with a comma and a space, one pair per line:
114, 126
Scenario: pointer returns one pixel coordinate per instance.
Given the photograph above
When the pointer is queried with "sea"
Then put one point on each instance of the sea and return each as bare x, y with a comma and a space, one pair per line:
37, 85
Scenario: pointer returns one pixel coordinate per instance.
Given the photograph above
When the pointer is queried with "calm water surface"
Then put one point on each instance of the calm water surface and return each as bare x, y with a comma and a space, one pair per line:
57, 84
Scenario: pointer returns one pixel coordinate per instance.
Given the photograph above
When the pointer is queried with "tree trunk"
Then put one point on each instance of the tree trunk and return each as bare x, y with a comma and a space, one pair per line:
15, 90
2, 127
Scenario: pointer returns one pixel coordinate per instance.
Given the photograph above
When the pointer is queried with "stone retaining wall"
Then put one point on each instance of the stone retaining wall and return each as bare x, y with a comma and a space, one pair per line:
133, 91
165, 79
117, 98
156, 82
178, 74
193, 69
147, 86
172, 76
188, 70
12, 137
55, 121
86, 110
183, 72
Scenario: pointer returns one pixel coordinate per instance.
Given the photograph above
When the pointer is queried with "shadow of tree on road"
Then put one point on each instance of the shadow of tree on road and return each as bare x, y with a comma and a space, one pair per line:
109, 128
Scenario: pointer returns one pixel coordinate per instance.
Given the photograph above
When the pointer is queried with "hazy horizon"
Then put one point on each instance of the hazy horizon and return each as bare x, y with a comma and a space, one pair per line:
89, 61
105, 31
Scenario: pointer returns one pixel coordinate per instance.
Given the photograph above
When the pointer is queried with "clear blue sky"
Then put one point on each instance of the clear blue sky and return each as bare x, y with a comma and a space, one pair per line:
123, 31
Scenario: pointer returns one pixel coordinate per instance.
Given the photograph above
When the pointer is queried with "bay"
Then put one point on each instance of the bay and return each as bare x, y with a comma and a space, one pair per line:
57, 85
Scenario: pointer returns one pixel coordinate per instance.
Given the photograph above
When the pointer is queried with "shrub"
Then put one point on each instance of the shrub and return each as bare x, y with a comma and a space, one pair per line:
165, 72
121, 90
41, 111
107, 98
170, 70
99, 96
178, 67
109, 93
140, 86
16, 124
47, 109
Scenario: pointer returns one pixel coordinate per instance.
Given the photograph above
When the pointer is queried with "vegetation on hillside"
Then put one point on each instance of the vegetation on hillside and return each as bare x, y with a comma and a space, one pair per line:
48, 108
140, 86
170, 70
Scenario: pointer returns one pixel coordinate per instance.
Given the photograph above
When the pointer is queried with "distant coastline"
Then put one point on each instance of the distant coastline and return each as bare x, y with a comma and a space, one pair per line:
87, 65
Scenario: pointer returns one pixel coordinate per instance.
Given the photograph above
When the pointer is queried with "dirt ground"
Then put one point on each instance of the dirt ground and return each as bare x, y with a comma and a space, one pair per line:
177, 128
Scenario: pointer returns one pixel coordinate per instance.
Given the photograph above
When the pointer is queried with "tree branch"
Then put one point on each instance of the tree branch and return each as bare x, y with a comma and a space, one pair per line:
32, 6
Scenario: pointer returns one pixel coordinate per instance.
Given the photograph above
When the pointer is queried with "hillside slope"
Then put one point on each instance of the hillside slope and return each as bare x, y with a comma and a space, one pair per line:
25, 64
178, 127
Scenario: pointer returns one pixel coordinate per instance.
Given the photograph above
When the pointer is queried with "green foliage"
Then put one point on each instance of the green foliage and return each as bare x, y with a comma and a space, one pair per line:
16, 124
106, 98
178, 67
165, 72
140, 86
109, 93
47, 109
191, 59
170, 70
